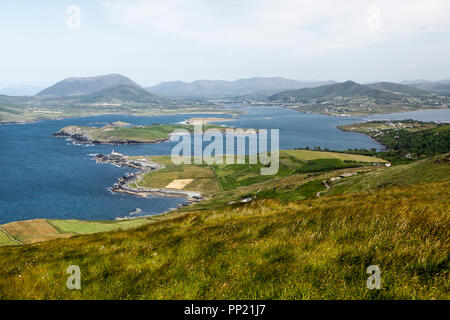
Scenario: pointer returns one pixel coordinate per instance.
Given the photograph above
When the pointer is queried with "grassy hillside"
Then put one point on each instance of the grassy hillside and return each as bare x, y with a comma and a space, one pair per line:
119, 134
86, 85
408, 138
423, 171
148, 133
306, 155
317, 249
353, 180
5, 240
124, 93
213, 179
291, 162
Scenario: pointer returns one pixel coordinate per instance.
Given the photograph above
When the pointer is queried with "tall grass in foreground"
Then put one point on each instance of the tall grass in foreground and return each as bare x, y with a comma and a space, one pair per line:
313, 249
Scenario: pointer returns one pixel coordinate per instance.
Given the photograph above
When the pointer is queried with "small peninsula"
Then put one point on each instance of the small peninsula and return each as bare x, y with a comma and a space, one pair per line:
409, 139
117, 133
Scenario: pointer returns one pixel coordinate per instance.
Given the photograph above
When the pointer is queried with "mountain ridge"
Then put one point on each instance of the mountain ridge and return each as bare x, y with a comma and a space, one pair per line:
351, 89
76, 86
256, 86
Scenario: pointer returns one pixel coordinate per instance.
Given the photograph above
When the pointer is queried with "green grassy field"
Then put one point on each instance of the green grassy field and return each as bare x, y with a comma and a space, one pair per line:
291, 162
147, 133
305, 190
212, 179
110, 133
305, 155
436, 169
90, 227
34, 231
143, 134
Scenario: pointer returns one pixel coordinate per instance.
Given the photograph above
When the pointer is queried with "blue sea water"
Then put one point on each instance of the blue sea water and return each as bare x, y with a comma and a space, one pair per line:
46, 177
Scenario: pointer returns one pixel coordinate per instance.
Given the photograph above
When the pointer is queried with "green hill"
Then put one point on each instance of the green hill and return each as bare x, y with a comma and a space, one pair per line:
114, 133
13, 100
347, 89
397, 88
121, 93
316, 249
424, 171
81, 86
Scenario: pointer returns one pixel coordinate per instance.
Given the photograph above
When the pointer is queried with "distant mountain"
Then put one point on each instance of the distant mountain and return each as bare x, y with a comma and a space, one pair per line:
441, 87
83, 86
397, 88
24, 90
221, 88
412, 82
347, 89
120, 93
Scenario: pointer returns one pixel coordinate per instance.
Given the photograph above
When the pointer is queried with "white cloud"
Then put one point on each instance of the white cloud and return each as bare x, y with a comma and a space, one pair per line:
301, 27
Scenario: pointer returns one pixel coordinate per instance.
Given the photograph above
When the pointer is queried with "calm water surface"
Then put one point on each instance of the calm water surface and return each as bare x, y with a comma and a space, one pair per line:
46, 177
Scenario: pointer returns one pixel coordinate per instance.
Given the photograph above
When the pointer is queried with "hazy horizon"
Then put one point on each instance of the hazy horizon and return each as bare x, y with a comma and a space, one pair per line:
35, 88
153, 41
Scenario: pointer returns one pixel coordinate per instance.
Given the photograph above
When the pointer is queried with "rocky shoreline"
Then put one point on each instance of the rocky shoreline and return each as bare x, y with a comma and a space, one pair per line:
5, 123
129, 183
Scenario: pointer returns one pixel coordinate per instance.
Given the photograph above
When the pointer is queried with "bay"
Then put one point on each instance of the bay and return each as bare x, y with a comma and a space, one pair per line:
46, 177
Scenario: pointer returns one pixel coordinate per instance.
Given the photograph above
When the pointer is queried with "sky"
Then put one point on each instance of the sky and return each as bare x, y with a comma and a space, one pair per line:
151, 41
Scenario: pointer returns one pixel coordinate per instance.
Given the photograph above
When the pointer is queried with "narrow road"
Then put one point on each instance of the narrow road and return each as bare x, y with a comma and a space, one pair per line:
326, 186
10, 236
217, 178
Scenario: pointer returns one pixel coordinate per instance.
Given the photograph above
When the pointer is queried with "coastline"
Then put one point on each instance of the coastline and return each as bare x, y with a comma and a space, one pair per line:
129, 184
359, 115
19, 122
162, 192
385, 148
